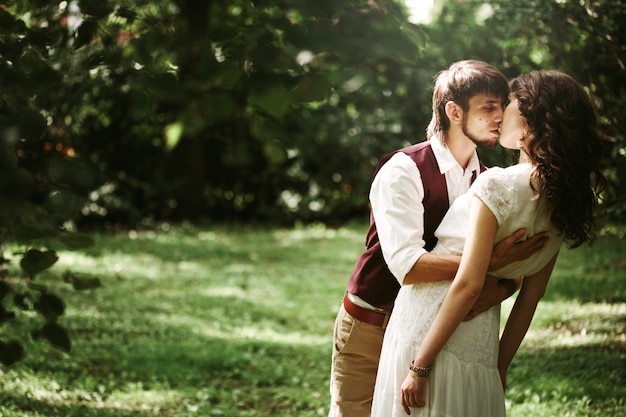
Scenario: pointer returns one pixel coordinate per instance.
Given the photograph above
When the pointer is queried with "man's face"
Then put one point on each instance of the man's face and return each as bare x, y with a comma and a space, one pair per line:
481, 122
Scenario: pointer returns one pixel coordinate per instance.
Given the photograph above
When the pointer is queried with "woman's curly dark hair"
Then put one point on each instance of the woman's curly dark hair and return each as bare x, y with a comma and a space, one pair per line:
565, 147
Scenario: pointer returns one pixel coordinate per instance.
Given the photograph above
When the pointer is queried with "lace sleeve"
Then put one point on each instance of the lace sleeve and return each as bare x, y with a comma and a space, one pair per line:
495, 191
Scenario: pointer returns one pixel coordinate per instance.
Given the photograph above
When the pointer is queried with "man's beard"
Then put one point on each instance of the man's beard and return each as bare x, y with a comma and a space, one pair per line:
482, 143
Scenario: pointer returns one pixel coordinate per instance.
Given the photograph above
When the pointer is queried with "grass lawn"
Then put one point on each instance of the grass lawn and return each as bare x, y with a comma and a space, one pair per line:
237, 321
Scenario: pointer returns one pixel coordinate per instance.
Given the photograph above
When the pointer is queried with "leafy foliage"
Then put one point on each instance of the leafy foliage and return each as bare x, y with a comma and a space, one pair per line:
40, 186
20, 296
266, 110
586, 40
184, 110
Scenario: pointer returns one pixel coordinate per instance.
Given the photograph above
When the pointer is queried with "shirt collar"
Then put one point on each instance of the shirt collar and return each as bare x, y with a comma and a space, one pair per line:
446, 160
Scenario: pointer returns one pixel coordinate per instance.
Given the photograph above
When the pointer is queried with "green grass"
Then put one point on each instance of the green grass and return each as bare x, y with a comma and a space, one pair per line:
237, 321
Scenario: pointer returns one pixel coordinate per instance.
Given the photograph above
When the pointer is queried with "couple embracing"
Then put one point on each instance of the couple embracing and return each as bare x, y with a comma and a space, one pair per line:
449, 240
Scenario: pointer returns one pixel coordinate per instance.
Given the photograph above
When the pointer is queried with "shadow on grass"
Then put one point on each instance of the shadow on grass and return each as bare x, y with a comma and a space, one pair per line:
233, 329
591, 273
241, 374
247, 362
181, 355
222, 244
595, 371
37, 408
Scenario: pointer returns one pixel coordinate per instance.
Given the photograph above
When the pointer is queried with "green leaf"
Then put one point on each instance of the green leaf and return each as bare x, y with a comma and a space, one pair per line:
271, 99
415, 34
42, 37
173, 133
126, 13
56, 335
274, 152
273, 135
8, 159
31, 61
272, 57
267, 93
35, 229
10, 352
22, 301
72, 172
15, 183
6, 315
164, 84
5, 289
225, 75
85, 33
80, 283
65, 203
268, 130
31, 123
34, 261
50, 306
9, 24
96, 8
219, 105
311, 88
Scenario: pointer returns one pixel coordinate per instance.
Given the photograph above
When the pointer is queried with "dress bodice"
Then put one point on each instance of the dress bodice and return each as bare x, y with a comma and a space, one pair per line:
508, 194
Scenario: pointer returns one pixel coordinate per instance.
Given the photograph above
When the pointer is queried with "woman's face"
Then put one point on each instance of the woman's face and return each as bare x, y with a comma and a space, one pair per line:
513, 126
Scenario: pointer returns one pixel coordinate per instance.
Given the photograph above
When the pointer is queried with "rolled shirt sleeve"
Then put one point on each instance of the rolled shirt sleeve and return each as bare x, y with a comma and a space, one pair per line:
396, 198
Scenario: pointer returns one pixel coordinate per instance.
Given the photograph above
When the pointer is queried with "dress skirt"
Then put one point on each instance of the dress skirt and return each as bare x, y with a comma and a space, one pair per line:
464, 381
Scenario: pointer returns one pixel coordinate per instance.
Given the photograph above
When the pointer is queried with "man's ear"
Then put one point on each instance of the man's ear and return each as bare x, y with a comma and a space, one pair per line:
454, 112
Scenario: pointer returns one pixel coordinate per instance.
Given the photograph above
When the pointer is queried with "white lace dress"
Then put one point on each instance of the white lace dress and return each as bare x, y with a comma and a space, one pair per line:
464, 381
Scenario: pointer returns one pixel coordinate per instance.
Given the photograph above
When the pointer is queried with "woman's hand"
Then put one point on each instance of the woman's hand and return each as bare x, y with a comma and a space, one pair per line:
413, 392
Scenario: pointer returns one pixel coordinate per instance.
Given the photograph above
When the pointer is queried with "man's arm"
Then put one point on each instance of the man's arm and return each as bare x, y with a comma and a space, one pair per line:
494, 292
432, 268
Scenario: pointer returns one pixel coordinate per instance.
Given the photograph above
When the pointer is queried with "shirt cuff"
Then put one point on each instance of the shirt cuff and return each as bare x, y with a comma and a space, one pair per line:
405, 263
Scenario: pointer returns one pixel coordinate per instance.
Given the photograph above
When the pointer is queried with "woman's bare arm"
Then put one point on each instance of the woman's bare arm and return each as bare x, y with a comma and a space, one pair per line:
462, 294
533, 289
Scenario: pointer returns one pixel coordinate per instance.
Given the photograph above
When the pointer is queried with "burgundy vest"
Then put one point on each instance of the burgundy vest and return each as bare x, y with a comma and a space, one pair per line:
371, 279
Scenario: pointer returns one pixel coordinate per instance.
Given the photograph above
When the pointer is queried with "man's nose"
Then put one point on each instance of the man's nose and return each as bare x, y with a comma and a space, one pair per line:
499, 115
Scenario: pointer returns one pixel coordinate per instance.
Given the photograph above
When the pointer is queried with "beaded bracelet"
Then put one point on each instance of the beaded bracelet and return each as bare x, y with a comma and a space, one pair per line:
419, 371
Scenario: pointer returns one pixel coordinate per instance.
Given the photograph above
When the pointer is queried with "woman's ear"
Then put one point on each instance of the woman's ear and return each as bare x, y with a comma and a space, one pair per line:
454, 112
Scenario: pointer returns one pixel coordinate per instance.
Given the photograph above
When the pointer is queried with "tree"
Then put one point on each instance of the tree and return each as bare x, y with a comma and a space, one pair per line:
189, 111
267, 110
40, 189
166, 110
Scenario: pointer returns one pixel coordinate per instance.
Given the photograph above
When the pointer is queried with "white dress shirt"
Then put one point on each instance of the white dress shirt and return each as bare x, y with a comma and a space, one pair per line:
396, 199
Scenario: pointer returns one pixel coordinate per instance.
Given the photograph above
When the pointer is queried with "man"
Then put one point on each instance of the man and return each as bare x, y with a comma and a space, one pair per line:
410, 193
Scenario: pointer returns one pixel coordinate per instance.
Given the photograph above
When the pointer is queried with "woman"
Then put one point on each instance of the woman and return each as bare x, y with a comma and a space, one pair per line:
434, 364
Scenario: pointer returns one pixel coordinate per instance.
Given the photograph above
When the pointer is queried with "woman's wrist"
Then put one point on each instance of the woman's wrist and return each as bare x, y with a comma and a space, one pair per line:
419, 371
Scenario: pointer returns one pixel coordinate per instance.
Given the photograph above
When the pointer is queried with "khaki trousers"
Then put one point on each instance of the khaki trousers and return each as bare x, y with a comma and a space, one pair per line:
355, 359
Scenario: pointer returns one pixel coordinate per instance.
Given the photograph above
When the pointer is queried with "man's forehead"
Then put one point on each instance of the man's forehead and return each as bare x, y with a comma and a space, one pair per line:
483, 98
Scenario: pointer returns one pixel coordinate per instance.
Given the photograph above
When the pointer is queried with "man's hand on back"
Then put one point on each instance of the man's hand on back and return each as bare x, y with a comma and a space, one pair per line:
510, 249
506, 251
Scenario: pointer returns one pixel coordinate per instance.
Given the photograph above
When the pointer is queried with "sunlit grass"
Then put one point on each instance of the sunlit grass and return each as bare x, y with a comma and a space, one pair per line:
232, 321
